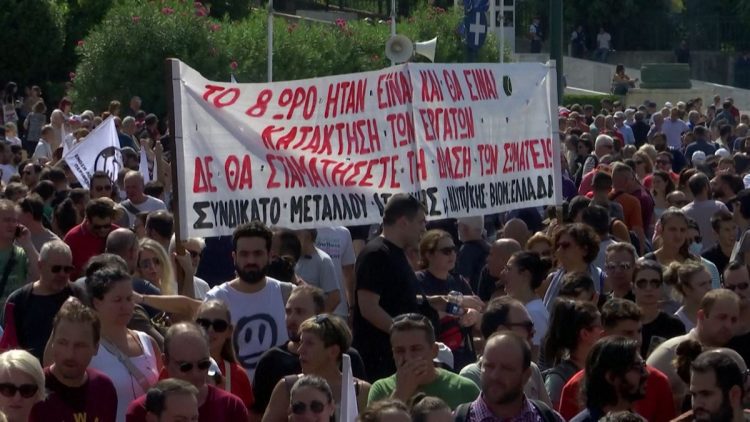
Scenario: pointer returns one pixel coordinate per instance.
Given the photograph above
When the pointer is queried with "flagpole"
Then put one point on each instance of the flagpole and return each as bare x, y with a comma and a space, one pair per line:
270, 40
171, 75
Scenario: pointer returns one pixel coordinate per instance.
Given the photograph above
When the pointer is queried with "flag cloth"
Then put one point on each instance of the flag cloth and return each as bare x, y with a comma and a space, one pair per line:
99, 151
349, 410
143, 167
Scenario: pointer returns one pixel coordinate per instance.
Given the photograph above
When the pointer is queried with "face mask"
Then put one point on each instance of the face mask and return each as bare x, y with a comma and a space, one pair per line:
696, 248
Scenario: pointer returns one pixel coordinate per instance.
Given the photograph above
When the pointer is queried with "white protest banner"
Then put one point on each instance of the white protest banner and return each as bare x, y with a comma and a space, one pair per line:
99, 151
467, 139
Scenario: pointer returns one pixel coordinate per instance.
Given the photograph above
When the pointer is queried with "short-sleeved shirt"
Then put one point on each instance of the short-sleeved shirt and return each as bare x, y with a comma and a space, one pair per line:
95, 400
673, 131
654, 333
382, 268
218, 406
337, 243
655, 407
715, 255
84, 244
452, 388
317, 269
448, 330
150, 204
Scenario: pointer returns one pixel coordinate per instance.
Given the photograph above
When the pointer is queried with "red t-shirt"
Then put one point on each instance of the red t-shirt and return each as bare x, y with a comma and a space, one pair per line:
84, 245
96, 400
219, 406
657, 406
239, 383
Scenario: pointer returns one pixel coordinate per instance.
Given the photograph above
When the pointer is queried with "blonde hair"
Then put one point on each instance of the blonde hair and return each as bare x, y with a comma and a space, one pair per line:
25, 362
167, 281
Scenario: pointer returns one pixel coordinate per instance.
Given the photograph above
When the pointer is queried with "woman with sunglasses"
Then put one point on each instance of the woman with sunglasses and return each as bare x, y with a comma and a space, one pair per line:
661, 185
155, 266
644, 166
437, 254
657, 325
311, 400
214, 317
576, 248
523, 274
574, 328
130, 358
691, 281
323, 340
21, 384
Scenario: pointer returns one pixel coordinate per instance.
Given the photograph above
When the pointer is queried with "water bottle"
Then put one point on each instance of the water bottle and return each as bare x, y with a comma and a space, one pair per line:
454, 303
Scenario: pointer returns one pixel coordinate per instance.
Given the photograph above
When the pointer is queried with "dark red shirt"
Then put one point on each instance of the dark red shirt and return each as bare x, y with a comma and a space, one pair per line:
219, 406
84, 244
95, 400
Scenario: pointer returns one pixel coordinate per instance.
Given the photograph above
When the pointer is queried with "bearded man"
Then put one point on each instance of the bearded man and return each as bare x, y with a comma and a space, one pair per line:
255, 301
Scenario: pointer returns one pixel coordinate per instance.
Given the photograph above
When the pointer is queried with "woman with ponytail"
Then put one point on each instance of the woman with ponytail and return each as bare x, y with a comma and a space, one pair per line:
690, 282
574, 328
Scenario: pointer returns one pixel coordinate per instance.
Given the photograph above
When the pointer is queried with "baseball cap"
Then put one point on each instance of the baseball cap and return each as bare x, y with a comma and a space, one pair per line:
444, 356
619, 115
723, 153
698, 158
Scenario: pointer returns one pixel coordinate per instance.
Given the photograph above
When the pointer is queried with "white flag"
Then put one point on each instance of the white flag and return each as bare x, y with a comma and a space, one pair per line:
349, 410
99, 151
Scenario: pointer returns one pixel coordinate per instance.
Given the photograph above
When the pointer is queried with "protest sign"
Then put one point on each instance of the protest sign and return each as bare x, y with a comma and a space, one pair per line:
467, 139
99, 151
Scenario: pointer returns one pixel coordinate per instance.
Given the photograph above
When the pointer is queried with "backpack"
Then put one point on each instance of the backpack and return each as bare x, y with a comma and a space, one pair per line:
548, 415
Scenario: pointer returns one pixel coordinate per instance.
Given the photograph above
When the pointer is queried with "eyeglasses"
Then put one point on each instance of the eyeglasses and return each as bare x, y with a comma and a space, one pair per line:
613, 266
448, 250
107, 188
65, 268
219, 325
300, 408
202, 365
564, 245
151, 262
653, 283
739, 286
27, 390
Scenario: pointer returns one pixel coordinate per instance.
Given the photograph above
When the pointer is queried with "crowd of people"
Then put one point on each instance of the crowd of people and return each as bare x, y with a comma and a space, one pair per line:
629, 302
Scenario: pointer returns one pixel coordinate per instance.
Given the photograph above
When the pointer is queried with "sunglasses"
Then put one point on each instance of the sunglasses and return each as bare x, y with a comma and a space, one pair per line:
26, 390
739, 286
653, 283
448, 250
300, 408
148, 263
67, 269
201, 365
219, 325
103, 188
613, 266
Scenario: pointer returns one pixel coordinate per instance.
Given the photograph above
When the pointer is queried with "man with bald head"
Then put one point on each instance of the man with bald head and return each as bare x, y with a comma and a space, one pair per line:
517, 230
500, 252
186, 357
137, 201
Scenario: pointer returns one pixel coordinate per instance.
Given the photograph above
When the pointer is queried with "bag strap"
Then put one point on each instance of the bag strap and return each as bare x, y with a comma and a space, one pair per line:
130, 207
227, 376
125, 360
462, 412
547, 414
8, 268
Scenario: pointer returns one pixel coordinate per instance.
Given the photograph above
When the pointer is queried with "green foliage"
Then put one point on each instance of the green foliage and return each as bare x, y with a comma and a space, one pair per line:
33, 31
584, 99
124, 55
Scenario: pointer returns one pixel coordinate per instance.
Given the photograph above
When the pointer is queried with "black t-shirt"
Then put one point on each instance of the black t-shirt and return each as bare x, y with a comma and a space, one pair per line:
663, 328
278, 362
34, 315
487, 285
448, 329
741, 345
471, 259
382, 268
715, 255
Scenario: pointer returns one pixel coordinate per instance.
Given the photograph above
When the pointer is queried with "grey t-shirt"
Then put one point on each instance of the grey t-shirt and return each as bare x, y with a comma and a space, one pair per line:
317, 269
39, 239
